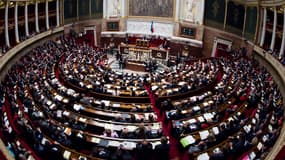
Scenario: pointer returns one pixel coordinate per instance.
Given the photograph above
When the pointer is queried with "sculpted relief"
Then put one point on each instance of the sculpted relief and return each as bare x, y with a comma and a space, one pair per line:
114, 8
192, 10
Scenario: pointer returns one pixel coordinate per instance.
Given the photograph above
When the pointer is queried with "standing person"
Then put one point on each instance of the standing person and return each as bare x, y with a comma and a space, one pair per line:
162, 150
144, 150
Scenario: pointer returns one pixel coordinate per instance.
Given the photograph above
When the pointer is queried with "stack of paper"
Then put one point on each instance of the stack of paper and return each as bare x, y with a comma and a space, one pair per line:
203, 156
66, 154
216, 130
187, 140
204, 134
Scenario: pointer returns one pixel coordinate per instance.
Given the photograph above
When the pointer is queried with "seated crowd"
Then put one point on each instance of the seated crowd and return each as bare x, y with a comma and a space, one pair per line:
49, 111
85, 69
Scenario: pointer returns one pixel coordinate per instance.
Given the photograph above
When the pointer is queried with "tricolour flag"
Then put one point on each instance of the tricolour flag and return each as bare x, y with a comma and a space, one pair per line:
151, 27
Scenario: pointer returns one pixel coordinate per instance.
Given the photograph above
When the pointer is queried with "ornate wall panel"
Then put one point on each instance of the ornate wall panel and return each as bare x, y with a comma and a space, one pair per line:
97, 8
251, 20
235, 18
83, 7
192, 10
152, 8
215, 13
70, 9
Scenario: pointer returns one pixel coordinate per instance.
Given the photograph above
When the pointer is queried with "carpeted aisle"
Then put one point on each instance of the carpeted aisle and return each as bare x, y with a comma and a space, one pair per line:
166, 127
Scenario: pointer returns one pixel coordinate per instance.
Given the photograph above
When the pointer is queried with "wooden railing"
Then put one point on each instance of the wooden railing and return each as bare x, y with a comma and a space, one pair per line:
280, 70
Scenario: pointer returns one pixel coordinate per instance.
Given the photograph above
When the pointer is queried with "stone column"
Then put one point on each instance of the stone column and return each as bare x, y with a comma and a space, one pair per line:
283, 37
105, 7
7, 24
16, 22
57, 13
123, 8
263, 27
274, 30
47, 17
177, 10
37, 17
26, 19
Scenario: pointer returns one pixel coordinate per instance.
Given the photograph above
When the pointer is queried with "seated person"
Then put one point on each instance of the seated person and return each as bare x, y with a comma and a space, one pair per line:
121, 154
126, 134
140, 132
177, 115
110, 133
197, 147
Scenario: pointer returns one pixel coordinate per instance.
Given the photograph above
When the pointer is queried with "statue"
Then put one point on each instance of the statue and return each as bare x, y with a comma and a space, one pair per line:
190, 10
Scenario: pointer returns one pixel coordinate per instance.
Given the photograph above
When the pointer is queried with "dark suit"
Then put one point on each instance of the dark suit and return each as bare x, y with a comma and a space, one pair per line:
162, 152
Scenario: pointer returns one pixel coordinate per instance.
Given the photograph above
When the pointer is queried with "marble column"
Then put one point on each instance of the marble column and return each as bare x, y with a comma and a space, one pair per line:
37, 16
47, 17
105, 7
16, 22
177, 10
263, 27
123, 8
283, 37
26, 19
57, 13
274, 30
7, 24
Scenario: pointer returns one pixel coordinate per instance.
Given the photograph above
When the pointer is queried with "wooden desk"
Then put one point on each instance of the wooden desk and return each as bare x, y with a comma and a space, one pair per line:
135, 66
154, 52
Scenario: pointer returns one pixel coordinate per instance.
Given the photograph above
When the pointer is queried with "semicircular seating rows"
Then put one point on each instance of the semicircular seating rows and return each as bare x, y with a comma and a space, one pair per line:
61, 101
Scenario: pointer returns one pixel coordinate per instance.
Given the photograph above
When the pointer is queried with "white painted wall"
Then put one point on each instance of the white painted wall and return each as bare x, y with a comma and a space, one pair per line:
143, 27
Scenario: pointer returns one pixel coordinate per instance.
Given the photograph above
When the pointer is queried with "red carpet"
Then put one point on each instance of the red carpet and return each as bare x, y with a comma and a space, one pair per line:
281, 154
166, 127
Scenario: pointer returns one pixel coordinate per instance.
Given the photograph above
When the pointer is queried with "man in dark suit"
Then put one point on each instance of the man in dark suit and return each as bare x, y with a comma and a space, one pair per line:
144, 150
162, 150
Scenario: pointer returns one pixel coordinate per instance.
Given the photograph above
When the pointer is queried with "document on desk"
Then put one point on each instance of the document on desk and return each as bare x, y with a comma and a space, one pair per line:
107, 103
187, 140
65, 100
77, 107
129, 145
193, 120
131, 128
66, 154
156, 126
114, 143
95, 140
66, 113
109, 126
259, 146
208, 116
216, 130
117, 105
196, 108
67, 131
203, 156
204, 134
201, 119
81, 119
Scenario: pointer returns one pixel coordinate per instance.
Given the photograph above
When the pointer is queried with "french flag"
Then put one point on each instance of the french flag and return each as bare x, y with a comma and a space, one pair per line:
151, 27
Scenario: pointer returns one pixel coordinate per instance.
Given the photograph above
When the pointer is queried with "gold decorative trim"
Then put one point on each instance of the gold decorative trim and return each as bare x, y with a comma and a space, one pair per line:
244, 20
226, 14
